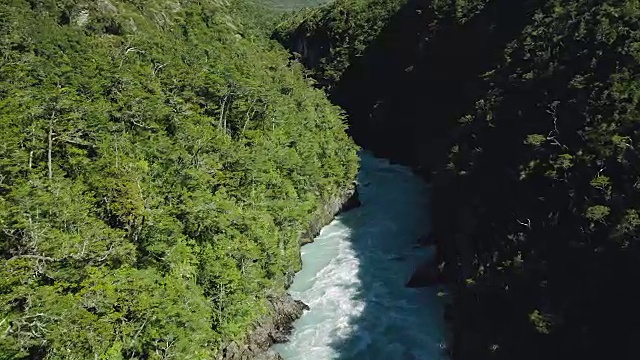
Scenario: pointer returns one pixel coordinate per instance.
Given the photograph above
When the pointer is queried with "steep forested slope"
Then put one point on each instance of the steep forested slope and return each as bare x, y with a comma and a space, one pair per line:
525, 116
375, 58
549, 157
158, 163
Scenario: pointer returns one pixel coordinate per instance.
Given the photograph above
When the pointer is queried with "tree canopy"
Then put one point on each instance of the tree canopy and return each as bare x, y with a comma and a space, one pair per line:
158, 163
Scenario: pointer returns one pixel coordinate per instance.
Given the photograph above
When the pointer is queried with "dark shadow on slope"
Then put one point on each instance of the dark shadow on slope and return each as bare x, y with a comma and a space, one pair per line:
404, 97
411, 85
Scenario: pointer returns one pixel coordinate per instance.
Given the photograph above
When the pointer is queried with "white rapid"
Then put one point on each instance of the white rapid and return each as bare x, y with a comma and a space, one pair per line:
354, 276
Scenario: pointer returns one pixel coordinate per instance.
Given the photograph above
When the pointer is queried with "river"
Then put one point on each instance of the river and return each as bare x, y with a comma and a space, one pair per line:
354, 275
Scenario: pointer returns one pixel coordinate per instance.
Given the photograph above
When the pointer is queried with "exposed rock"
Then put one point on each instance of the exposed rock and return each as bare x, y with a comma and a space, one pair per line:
348, 200
106, 7
271, 329
352, 202
82, 18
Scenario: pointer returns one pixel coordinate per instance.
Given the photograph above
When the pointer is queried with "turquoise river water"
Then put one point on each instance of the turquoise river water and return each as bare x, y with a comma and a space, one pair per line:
354, 275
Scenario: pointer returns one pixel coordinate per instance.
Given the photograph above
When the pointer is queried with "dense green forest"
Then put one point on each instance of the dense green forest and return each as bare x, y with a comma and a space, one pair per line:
159, 161
524, 115
286, 6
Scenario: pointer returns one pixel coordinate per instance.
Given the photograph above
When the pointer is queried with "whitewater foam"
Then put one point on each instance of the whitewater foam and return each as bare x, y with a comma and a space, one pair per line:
354, 273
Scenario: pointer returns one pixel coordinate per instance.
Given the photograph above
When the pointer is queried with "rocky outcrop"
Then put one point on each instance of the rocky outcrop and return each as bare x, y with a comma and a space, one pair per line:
283, 310
346, 201
352, 202
271, 329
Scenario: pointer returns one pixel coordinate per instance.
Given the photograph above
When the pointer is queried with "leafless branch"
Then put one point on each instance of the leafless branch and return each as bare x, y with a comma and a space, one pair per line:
144, 126
37, 257
527, 224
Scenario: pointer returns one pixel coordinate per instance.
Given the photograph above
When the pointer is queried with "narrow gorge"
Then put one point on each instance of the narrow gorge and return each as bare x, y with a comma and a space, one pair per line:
170, 171
523, 117
354, 277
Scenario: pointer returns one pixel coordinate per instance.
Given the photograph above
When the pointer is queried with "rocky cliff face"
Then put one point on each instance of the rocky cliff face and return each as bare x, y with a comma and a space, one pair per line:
271, 329
324, 215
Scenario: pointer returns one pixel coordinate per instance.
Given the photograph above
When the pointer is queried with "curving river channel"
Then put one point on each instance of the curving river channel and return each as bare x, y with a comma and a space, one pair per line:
354, 274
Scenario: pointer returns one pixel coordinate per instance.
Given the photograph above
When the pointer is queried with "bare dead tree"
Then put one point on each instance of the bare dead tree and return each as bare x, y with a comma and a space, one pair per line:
222, 107
50, 139
527, 224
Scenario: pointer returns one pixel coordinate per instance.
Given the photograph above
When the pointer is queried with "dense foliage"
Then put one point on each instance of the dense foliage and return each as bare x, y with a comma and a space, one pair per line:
285, 6
525, 115
551, 154
158, 163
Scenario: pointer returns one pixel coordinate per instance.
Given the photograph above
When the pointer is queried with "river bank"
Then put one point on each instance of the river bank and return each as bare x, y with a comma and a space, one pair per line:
283, 310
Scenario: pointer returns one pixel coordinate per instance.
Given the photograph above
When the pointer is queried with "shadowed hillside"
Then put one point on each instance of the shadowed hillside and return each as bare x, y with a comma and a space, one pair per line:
523, 114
